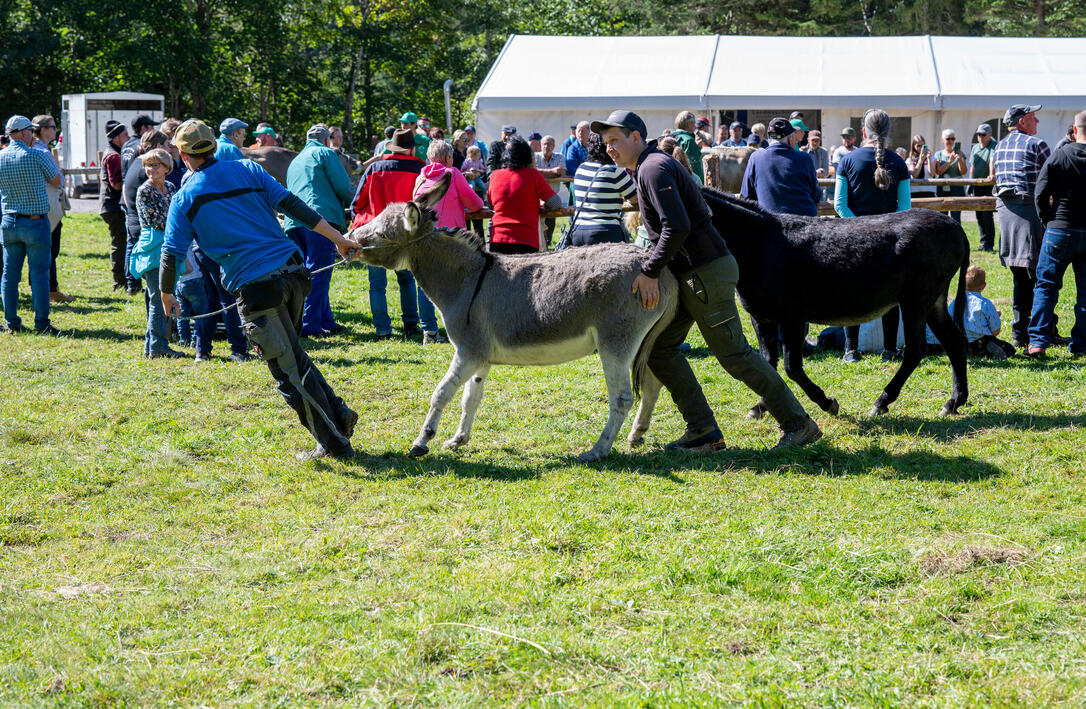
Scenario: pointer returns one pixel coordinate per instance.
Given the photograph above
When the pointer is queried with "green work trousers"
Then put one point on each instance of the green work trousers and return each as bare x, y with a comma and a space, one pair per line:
707, 297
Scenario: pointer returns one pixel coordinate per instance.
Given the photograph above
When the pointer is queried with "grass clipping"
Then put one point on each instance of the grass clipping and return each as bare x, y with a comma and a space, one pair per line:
970, 557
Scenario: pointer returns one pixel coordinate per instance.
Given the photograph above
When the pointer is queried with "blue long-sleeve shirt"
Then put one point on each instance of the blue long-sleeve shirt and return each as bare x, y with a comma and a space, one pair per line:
229, 209
317, 176
226, 150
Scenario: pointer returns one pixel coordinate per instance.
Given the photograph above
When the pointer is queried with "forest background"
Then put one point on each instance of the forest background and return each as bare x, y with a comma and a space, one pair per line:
361, 63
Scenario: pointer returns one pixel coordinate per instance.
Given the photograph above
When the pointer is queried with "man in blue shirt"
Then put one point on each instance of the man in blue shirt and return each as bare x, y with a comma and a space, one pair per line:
781, 178
24, 227
232, 134
736, 139
229, 209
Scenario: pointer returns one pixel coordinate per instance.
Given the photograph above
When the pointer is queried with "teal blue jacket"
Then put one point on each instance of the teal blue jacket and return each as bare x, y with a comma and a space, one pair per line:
317, 176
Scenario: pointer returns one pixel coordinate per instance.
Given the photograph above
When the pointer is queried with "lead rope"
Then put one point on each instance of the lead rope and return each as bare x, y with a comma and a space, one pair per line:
235, 304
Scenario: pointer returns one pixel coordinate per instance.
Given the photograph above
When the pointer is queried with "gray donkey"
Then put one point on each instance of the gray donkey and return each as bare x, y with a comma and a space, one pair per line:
534, 309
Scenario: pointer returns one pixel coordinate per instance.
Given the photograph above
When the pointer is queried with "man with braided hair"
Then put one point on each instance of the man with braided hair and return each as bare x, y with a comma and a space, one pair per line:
229, 208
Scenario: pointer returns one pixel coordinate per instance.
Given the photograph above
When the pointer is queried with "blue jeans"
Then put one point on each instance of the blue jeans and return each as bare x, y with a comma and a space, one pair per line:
1061, 248
29, 238
218, 297
318, 253
427, 313
156, 340
382, 323
192, 297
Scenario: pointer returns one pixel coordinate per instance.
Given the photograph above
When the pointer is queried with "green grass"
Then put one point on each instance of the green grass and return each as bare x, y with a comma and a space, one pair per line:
159, 546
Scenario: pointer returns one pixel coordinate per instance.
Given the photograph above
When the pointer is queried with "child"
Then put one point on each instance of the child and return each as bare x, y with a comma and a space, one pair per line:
474, 164
982, 322
192, 296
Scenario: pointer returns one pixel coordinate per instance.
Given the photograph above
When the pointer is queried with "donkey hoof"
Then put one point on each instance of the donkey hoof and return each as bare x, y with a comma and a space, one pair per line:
453, 443
418, 451
755, 413
833, 407
636, 441
591, 456
949, 409
878, 410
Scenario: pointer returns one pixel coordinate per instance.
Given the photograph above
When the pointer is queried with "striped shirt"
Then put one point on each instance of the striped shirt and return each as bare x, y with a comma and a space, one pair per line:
23, 174
603, 205
1017, 162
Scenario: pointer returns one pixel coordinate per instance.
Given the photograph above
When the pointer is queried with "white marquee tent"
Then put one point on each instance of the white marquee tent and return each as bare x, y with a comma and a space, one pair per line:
926, 83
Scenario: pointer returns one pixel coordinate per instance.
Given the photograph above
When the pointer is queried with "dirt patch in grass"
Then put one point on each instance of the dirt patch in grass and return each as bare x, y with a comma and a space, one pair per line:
970, 557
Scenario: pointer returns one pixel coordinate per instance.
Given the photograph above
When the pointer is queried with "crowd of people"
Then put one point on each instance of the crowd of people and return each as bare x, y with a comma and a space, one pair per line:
156, 179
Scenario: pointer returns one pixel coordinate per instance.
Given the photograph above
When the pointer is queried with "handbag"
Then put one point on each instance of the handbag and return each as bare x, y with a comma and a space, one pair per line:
567, 231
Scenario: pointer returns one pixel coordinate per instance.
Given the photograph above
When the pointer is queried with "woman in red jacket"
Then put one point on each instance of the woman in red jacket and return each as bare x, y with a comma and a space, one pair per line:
515, 192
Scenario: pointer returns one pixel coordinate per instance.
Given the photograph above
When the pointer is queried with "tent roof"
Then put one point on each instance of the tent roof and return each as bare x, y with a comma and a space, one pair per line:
927, 73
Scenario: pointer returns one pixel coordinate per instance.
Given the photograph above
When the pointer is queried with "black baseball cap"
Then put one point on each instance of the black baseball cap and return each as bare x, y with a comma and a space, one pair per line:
1017, 111
780, 128
142, 120
622, 119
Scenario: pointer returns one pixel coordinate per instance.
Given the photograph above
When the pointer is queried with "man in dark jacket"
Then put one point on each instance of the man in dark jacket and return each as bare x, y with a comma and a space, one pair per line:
684, 239
111, 183
1061, 204
391, 179
781, 178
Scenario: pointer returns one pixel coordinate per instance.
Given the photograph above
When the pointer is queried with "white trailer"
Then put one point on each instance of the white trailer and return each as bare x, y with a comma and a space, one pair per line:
83, 128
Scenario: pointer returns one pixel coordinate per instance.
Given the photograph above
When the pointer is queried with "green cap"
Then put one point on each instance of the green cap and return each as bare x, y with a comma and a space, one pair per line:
409, 117
266, 130
798, 124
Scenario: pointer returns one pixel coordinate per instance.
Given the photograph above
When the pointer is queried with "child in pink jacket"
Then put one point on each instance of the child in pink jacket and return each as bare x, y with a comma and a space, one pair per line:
460, 198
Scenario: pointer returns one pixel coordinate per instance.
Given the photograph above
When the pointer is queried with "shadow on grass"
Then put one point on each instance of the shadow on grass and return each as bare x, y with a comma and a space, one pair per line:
818, 459
963, 426
101, 334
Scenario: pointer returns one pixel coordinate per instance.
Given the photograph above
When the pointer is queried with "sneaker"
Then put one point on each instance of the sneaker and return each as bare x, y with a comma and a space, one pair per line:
335, 329
701, 441
892, 355
322, 452
14, 329
809, 432
851, 356
167, 354
346, 417
434, 338
995, 351
48, 330
1034, 352
1059, 340
58, 297
411, 330
383, 336
241, 357
136, 290
203, 357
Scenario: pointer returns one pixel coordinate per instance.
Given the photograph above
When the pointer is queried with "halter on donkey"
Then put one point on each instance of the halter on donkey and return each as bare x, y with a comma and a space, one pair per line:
527, 310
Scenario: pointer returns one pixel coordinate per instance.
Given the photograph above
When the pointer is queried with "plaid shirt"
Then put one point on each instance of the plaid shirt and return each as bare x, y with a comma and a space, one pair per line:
1017, 162
23, 172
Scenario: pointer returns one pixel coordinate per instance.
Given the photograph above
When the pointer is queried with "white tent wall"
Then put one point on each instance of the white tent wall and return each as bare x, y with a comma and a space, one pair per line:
547, 83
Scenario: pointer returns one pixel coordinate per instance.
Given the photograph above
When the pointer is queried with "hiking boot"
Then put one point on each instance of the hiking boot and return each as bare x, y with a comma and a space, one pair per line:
241, 357
411, 330
1034, 352
995, 351
203, 357
48, 330
1059, 340
346, 418
434, 338
335, 329
851, 357
322, 452
698, 441
809, 432
58, 297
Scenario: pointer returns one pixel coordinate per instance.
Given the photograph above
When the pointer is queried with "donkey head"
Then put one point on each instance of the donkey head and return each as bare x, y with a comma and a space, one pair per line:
385, 241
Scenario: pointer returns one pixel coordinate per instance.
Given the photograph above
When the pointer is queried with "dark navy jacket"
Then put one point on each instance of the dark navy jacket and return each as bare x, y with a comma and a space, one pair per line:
783, 181
674, 213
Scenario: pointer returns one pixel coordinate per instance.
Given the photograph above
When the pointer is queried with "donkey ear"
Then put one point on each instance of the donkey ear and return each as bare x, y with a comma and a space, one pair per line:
430, 197
411, 218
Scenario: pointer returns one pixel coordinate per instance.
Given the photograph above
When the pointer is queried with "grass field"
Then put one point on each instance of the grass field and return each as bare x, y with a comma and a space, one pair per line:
159, 545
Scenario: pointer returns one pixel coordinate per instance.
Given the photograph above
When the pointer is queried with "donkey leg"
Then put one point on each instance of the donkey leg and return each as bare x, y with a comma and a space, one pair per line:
459, 370
650, 393
953, 341
913, 317
769, 345
616, 372
793, 367
473, 394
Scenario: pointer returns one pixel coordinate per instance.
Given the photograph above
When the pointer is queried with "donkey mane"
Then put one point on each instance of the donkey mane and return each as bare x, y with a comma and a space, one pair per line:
469, 237
748, 208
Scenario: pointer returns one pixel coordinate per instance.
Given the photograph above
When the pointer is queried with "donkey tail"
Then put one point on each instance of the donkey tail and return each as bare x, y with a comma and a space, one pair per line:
667, 312
959, 299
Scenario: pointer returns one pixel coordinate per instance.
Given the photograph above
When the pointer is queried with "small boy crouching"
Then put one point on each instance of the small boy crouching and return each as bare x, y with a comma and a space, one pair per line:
982, 321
